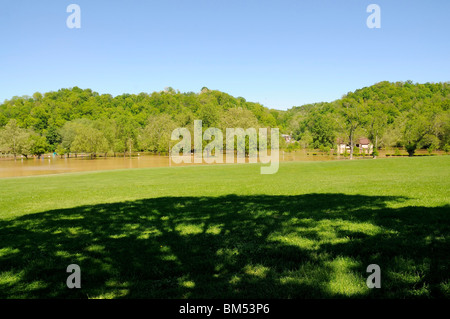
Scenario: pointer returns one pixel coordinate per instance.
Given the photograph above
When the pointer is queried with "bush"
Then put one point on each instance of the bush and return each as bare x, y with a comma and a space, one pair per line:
60, 150
411, 148
375, 152
325, 149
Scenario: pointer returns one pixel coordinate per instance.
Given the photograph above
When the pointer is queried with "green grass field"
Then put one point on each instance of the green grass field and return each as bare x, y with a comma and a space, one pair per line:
225, 231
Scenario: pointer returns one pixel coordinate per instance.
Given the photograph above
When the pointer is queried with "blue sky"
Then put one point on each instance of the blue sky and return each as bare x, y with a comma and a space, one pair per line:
279, 53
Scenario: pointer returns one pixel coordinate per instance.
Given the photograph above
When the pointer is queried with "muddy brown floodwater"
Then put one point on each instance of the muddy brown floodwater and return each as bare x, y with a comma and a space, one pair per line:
56, 165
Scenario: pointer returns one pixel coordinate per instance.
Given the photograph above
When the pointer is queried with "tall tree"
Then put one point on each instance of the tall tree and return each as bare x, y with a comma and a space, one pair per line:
376, 124
90, 140
156, 135
417, 127
39, 145
353, 116
127, 132
69, 132
14, 140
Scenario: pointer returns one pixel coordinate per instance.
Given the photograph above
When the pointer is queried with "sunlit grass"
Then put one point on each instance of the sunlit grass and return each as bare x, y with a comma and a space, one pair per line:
308, 231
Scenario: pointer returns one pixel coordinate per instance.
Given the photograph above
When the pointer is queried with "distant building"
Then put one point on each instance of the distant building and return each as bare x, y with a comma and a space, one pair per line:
342, 146
287, 138
363, 145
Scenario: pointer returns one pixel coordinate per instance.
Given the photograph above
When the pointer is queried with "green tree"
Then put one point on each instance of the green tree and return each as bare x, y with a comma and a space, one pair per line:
240, 118
377, 121
69, 131
156, 135
306, 140
53, 137
89, 140
108, 127
127, 133
60, 150
353, 116
39, 145
417, 131
15, 140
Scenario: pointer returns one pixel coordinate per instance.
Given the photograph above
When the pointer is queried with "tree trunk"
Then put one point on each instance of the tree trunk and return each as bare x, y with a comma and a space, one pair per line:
351, 145
375, 147
14, 148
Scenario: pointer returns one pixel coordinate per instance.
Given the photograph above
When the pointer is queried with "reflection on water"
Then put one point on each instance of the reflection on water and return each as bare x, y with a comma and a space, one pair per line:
56, 165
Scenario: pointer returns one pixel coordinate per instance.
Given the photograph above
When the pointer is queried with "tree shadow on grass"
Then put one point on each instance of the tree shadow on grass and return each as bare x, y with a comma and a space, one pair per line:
305, 246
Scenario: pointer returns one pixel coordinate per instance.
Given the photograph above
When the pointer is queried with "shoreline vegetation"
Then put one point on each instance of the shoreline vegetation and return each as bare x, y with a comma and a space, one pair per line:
400, 115
397, 152
50, 164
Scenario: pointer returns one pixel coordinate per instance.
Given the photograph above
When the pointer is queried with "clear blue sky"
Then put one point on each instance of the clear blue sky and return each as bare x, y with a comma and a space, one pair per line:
279, 53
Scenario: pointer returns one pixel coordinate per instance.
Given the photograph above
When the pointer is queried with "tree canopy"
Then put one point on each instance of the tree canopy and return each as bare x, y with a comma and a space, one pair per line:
400, 114
81, 120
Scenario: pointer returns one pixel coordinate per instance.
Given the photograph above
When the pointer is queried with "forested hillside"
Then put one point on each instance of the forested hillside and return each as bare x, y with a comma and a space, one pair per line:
76, 120
400, 114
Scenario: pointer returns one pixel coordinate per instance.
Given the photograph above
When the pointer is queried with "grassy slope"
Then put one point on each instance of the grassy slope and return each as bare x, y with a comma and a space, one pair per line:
226, 231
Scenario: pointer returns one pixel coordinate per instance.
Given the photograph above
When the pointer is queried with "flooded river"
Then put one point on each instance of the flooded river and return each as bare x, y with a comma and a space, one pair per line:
56, 165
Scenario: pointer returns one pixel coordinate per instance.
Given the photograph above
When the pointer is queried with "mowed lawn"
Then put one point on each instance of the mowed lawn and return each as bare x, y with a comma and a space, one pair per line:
226, 231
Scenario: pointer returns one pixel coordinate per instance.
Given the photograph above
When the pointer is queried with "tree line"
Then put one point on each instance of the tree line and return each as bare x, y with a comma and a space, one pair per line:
401, 114
73, 121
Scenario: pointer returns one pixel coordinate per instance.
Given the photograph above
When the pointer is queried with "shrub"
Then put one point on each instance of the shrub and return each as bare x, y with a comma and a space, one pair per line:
446, 148
325, 149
